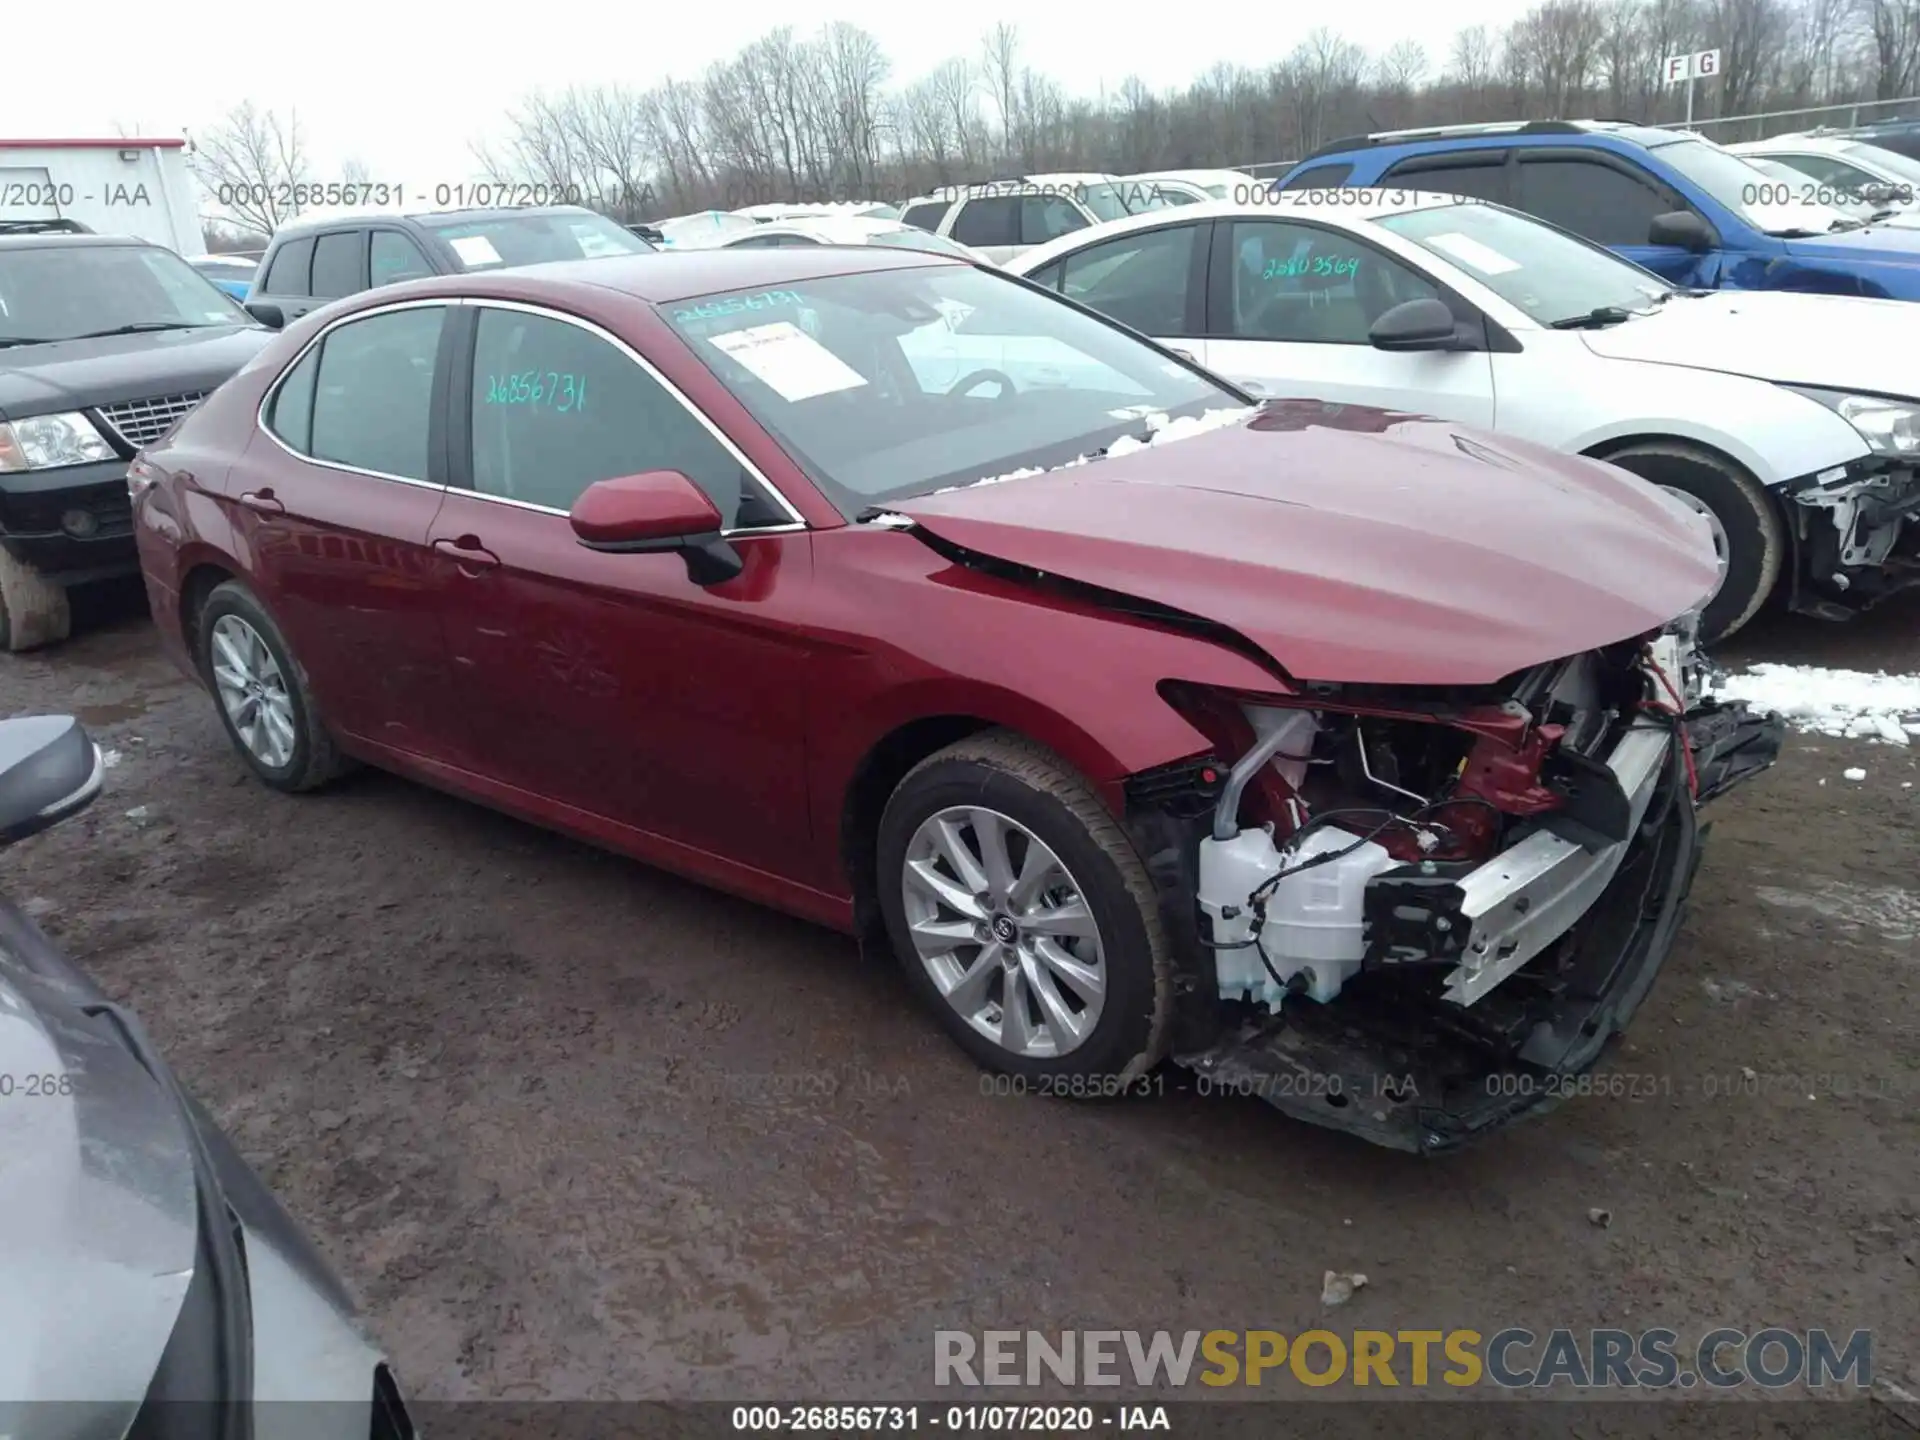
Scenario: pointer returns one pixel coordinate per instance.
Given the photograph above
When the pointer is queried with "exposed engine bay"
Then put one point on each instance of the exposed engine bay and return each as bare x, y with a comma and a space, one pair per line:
1419, 914
1858, 534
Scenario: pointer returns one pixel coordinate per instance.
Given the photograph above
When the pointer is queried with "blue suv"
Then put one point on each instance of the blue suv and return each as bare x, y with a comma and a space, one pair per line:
1664, 199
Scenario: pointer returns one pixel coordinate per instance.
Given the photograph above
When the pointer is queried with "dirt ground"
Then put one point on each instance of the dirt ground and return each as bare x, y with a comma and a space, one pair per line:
570, 1127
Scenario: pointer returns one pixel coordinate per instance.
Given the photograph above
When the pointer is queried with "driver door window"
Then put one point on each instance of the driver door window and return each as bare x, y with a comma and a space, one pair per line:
1300, 301
555, 408
1298, 283
1142, 279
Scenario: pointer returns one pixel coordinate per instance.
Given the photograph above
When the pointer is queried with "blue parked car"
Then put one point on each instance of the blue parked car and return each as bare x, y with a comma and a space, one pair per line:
1668, 200
232, 273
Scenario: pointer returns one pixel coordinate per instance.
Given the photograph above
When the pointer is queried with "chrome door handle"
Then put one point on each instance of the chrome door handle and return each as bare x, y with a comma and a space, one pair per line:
263, 501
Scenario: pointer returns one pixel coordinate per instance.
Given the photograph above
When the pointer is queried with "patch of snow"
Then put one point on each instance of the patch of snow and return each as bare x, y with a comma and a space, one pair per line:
1894, 913
1160, 431
109, 758
1853, 773
1852, 704
887, 520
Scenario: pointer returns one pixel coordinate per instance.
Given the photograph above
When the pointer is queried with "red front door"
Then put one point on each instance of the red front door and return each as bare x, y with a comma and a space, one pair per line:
613, 684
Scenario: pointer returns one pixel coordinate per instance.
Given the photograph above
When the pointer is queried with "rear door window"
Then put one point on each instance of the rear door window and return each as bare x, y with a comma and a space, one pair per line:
373, 396
1482, 176
339, 264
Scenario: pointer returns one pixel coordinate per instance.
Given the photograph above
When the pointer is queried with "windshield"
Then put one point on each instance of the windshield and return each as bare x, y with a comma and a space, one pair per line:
1144, 195
1889, 162
1103, 199
530, 238
1748, 192
64, 292
908, 238
1546, 273
1847, 205
898, 382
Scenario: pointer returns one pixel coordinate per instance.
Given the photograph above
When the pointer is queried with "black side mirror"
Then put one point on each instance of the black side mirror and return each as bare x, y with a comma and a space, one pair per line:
1415, 325
1681, 229
49, 769
271, 316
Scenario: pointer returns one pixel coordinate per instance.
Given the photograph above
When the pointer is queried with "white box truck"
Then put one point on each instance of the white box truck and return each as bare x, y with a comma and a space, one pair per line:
134, 186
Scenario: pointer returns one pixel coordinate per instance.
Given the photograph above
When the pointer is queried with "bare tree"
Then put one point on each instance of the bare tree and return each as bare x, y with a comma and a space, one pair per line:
814, 117
251, 164
1000, 64
1893, 28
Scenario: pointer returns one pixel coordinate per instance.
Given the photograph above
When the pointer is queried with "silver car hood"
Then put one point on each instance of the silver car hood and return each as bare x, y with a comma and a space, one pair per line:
97, 1187
98, 1198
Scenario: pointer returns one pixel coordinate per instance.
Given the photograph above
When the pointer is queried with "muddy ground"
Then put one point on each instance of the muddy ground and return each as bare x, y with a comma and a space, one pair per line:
570, 1127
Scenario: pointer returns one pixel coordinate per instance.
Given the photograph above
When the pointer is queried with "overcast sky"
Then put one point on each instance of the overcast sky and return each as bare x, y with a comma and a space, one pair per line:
407, 88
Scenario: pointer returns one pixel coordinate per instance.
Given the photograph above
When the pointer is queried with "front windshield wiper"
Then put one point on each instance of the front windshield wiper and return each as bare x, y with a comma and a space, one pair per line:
139, 327
1598, 318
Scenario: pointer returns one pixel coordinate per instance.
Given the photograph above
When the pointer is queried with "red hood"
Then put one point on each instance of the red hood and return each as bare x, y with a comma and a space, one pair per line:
1357, 545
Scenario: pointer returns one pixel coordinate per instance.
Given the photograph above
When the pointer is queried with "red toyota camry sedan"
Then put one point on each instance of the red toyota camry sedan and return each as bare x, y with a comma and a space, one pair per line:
1347, 758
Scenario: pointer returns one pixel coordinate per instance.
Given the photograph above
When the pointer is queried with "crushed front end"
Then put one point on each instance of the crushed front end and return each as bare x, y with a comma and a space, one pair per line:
1417, 914
1855, 532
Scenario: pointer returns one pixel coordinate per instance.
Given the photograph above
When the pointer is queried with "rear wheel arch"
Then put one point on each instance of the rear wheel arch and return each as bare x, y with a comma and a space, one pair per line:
1747, 508
195, 586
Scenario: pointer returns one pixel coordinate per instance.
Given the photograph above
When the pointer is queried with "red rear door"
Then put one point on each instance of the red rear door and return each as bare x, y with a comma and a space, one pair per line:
335, 502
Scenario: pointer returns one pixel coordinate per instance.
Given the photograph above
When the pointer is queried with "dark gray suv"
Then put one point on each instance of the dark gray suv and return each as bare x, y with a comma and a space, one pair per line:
311, 262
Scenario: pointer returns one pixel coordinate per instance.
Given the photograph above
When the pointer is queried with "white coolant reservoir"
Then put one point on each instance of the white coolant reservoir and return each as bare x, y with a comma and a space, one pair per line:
1315, 920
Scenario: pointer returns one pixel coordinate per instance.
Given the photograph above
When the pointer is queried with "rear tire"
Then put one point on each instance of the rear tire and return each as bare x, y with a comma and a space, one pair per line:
295, 751
1087, 911
33, 610
1747, 514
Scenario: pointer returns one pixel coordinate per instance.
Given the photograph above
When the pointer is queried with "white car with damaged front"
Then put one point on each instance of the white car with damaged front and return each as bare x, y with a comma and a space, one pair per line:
1791, 421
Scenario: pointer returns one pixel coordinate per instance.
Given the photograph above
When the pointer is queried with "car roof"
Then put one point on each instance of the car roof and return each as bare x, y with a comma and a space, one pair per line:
64, 239
1525, 131
1819, 144
311, 220
858, 228
665, 276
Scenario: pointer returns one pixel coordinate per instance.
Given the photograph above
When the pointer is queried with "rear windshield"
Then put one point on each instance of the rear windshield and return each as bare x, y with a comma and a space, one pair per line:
491, 241
66, 292
898, 382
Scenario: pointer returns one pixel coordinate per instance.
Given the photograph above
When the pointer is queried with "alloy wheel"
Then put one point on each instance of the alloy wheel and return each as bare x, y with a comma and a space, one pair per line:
1004, 931
1722, 547
252, 691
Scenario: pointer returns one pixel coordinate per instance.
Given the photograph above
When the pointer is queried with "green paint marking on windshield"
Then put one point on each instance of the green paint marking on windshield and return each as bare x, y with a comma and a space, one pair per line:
738, 305
558, 390
1311, 265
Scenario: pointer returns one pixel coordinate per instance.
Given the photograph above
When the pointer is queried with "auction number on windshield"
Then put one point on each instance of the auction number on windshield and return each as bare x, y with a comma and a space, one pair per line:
557, 390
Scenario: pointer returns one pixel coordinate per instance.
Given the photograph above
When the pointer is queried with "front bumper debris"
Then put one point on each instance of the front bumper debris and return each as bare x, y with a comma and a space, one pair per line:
1855, 536
1481, 990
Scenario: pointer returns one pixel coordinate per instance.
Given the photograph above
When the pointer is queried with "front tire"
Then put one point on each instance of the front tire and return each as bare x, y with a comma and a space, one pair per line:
1024, 917
1748, 526
262, 694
